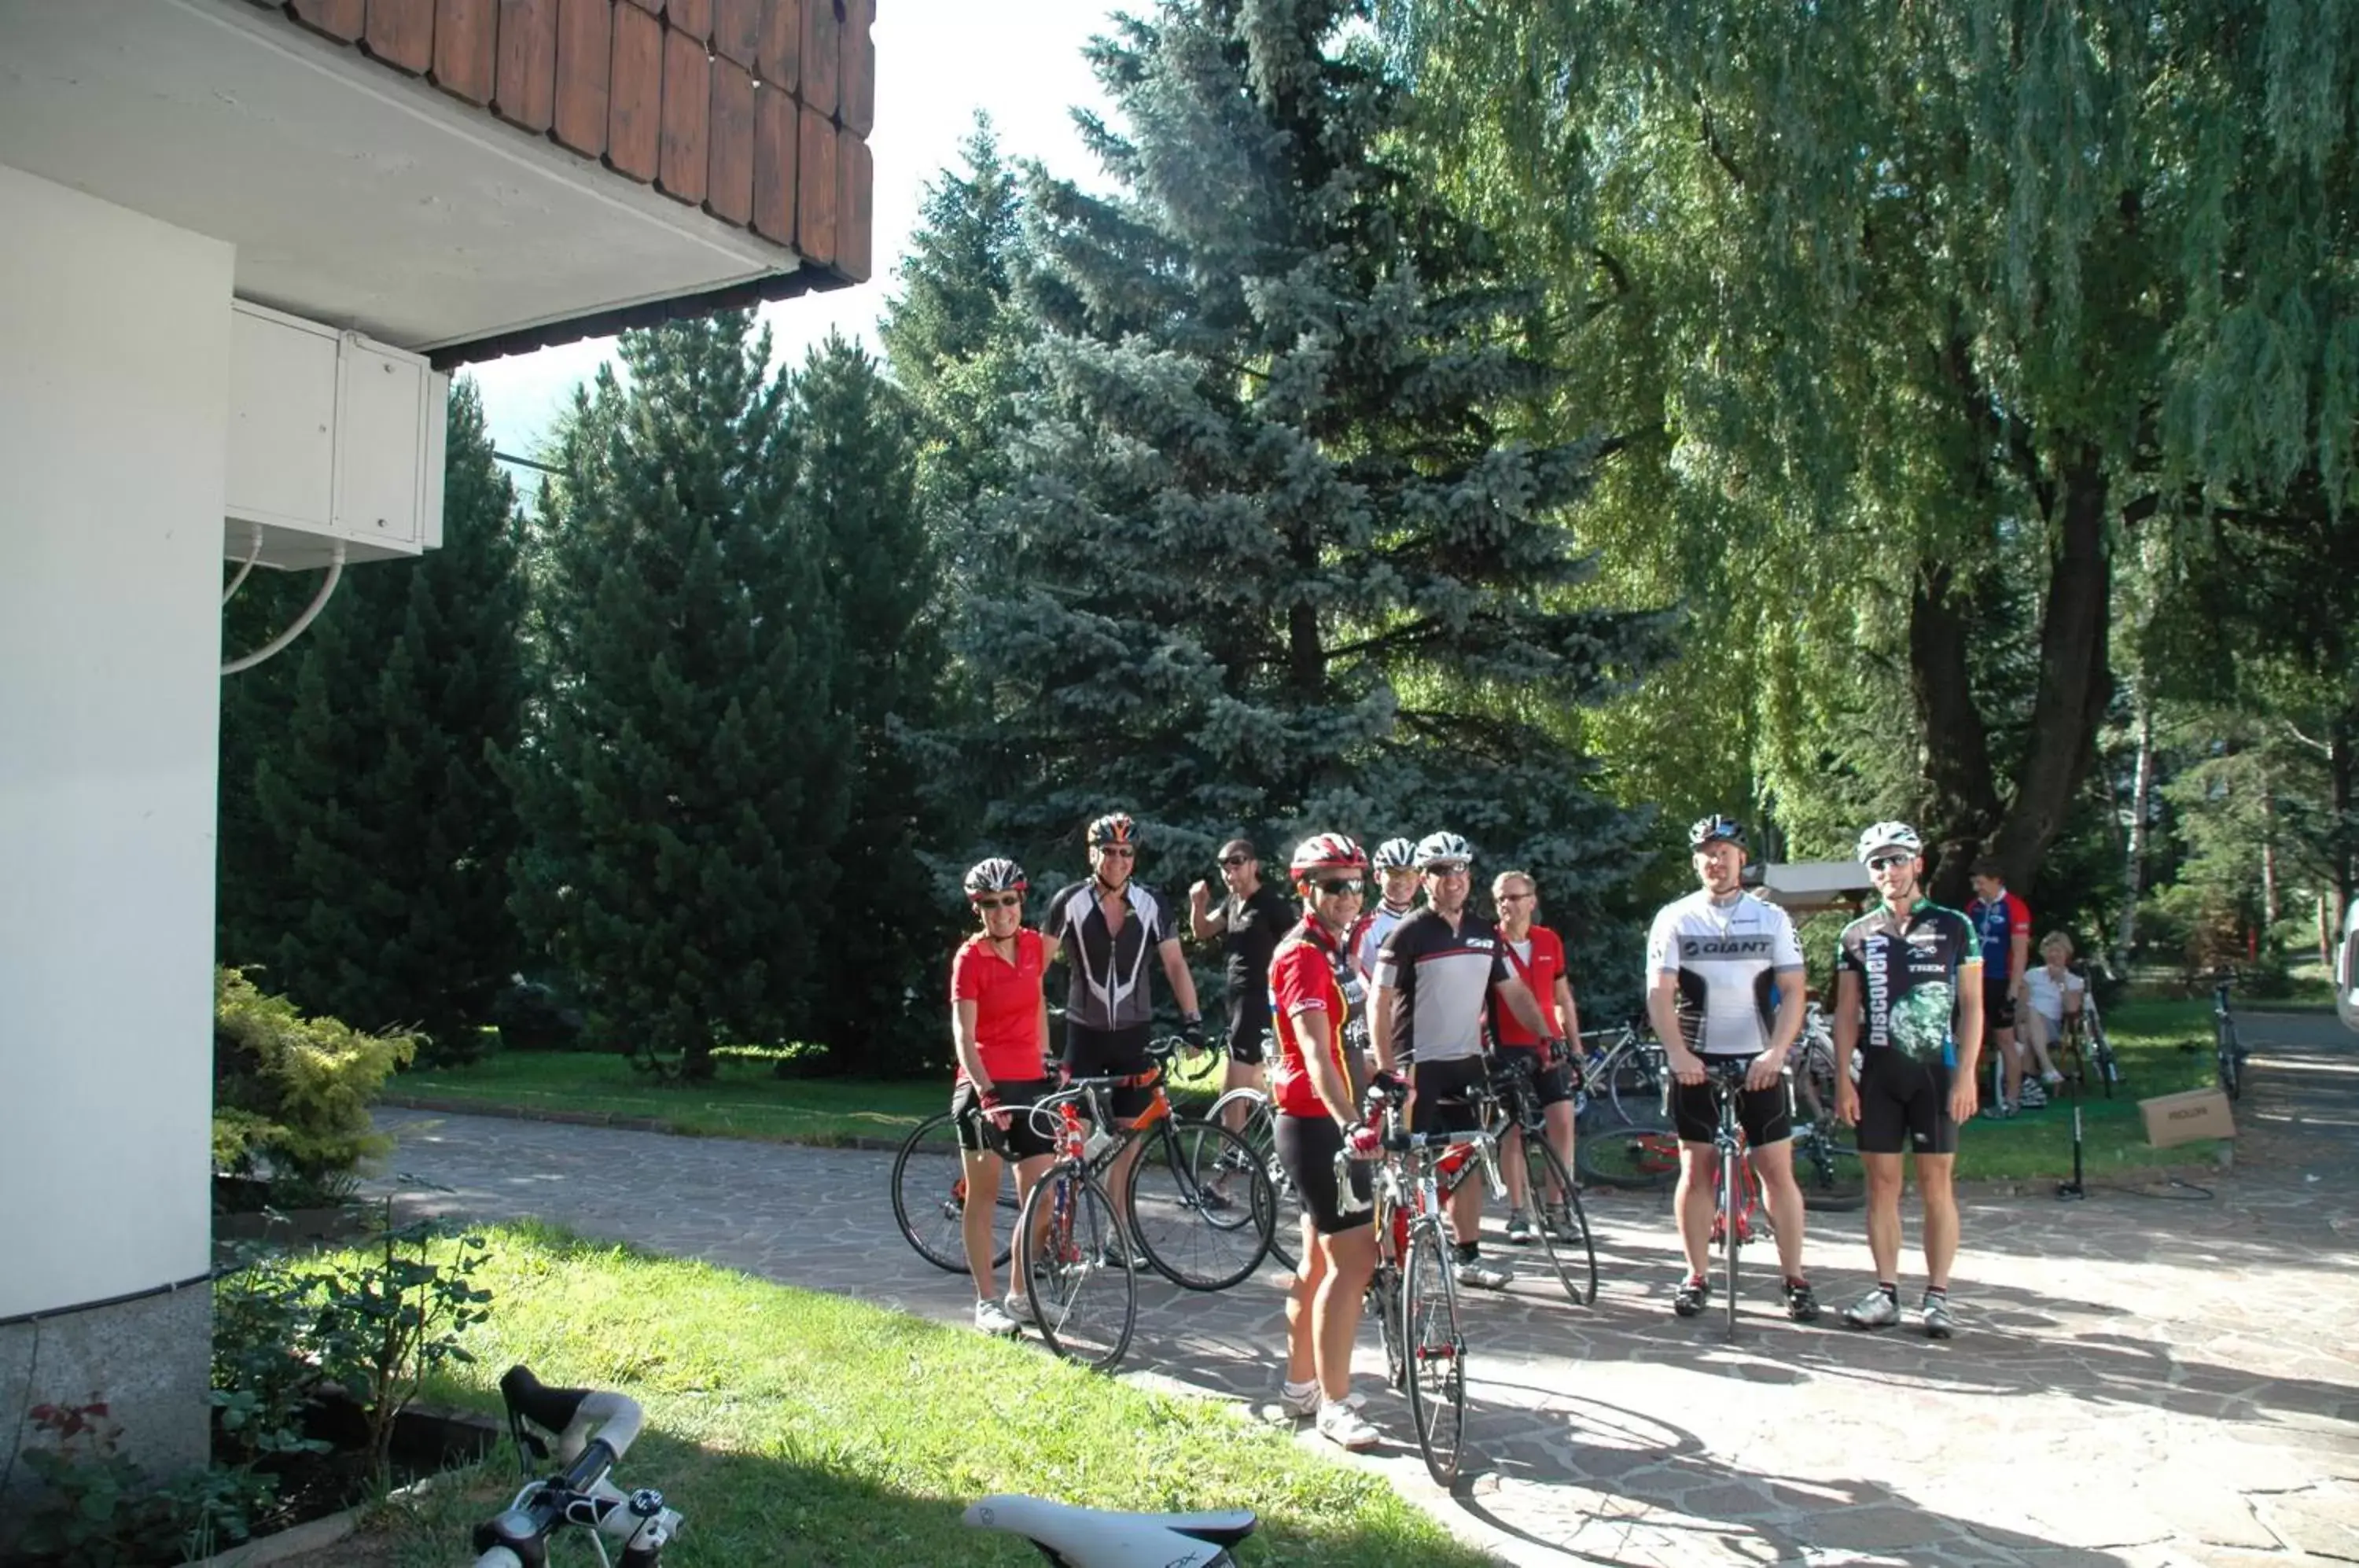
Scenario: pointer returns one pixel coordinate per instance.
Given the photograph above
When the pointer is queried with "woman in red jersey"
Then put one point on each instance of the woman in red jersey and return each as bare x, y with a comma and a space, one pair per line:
999, 1030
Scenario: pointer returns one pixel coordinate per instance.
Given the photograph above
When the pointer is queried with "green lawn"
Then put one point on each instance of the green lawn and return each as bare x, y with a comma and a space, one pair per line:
795, 1428
746, 1100
2148, 1036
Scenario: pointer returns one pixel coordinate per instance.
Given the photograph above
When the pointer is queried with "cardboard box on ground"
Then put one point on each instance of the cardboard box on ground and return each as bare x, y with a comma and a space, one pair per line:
2187, 1117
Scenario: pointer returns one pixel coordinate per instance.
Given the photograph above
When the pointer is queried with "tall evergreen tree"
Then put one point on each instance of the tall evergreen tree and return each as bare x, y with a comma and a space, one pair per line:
375, 887
1277, 551
855, 500
685, 768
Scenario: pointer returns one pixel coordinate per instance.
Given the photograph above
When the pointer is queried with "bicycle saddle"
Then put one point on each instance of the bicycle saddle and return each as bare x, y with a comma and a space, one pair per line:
1097, 1538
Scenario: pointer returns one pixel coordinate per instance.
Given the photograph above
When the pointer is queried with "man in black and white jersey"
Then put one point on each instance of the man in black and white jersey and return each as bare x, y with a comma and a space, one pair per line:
1107, 928
1713, 958
1395, 863
1436, 974
1908, 996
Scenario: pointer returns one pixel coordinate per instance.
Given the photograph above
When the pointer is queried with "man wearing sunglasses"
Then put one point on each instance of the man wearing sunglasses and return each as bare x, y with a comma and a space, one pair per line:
1436, 975
1251, 922
1105, 929
1908, 998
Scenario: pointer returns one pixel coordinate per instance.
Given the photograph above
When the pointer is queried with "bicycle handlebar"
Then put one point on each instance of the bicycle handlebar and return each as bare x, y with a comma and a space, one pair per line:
592, 1429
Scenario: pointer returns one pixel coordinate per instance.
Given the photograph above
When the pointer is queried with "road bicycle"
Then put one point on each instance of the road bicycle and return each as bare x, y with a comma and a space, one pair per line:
1625, 1140
2082, 1039
1259, 1129
1413, 1294
589, 1430
1739, 1198
929, 1197
1183, 1223
1621, 1081
1826, 1158
1512, 1105
2228, 1050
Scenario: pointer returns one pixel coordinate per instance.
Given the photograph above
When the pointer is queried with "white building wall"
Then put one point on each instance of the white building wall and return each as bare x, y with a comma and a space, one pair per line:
113, 355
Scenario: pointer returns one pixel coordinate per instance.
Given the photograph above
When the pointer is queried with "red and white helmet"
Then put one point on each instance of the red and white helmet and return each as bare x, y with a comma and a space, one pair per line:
1328, 852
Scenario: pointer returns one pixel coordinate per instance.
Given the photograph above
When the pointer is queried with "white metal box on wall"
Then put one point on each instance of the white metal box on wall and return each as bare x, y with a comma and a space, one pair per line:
332, 439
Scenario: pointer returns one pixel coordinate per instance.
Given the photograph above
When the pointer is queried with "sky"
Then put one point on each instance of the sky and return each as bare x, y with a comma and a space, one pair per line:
937, 61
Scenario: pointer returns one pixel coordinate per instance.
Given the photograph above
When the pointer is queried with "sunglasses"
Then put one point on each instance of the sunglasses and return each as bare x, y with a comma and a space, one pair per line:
1342, 887
1116, 852
1233, 861
1458, 870
1001, 901
1886, 862
1516, 898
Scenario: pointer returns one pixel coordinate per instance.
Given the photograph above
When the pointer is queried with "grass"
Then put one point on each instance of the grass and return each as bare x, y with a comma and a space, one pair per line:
746, 1099
796, 1428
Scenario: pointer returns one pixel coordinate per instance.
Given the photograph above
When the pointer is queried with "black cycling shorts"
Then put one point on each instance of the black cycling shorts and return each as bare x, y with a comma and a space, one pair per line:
1248, 1025
1998, 1002
1024, 1137
1112, 1053
1307, 1146
1767, 1114
1441, 1093
1905, 1103
1551, 1085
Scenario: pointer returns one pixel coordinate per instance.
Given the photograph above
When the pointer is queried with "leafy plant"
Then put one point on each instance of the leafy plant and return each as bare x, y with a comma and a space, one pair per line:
292, 1095
98, 1508
384, 1324
265, 1317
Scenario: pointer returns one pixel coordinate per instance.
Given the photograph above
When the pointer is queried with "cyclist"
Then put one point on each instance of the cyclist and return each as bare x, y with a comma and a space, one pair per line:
1909, 974
999, 1032
1537, 956
1436, 974
1251, 922
1313, 992
1396, 866
1106, 928
2003, 922
1713, 958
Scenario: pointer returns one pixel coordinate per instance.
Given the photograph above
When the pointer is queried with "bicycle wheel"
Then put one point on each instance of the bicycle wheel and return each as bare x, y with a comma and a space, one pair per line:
1083, 1291
929, 1198
2101, 1056
1563, 1226
1383, 1303
1827, 1170
1436, 1353
1642, 1153
1201, 1205
1260, 1133
2232, 1060
1732, 1203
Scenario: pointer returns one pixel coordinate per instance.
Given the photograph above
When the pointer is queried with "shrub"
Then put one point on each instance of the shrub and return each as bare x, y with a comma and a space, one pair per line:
292, 1095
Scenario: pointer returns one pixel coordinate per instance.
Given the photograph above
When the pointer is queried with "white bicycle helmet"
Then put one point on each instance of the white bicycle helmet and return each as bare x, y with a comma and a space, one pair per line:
997, 875
1396, 854
1443, 848
1889, 835
1325, 852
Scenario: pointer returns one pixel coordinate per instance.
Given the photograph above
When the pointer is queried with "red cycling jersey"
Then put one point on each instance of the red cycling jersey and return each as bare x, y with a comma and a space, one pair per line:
1540, 972
1007, 998
1306, 976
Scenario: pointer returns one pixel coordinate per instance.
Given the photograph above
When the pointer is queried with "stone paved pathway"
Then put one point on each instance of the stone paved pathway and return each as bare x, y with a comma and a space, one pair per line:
2147, 1377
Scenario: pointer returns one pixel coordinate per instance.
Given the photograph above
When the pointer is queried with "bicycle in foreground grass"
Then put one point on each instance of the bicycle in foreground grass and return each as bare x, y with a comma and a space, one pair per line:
587, 1431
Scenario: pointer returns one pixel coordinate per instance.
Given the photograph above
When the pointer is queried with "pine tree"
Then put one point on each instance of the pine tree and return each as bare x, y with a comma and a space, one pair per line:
375, 886
687, 771
854, 499
1277, 553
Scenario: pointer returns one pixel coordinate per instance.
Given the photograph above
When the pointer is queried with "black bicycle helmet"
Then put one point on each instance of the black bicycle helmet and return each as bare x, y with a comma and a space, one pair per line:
1115, 827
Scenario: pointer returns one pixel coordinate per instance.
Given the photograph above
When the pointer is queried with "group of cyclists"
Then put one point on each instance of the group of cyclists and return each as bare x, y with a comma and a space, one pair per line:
1423, 1000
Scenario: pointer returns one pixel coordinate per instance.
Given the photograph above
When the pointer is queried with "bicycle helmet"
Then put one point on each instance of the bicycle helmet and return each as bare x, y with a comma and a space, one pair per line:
1716, 829
1115, 827
1326, 852
1396, 854
1889, 835
997, 875
1443, 847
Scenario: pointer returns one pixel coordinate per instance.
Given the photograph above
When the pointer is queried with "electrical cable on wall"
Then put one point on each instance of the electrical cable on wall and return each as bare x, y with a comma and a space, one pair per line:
253, 554
310, 610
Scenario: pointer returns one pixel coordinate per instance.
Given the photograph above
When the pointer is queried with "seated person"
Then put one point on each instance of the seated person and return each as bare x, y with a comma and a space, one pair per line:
2055, 994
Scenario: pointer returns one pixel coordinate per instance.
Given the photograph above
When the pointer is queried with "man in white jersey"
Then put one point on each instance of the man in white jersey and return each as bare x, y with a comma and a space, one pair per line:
1712, 960
1395, 863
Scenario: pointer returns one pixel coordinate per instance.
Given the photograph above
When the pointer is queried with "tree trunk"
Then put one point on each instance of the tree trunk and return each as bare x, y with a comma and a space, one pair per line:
1964, 804
2141, 805
2269, 856
2075, 679
2343, 780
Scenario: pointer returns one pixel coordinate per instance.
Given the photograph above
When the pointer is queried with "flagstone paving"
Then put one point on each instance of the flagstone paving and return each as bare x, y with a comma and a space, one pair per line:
2152, 1376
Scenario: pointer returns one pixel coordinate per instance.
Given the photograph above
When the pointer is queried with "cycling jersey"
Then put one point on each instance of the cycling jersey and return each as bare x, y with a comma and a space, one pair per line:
1368, 936
1251, 928
1910, 967
1109, 983
1007, 998
1998, 921
1309, 975
1727, 958
1441, 981
1539, 962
